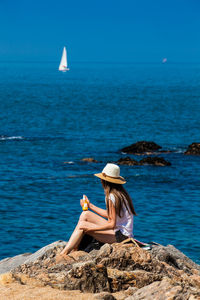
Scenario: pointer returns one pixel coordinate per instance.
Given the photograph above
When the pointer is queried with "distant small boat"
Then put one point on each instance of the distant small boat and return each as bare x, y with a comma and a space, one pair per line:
164, 60
63, 63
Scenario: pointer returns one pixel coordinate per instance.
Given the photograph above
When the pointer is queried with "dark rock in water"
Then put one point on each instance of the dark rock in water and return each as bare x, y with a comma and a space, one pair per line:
141, 148
193, 149
155, 161
89, 159
127, 161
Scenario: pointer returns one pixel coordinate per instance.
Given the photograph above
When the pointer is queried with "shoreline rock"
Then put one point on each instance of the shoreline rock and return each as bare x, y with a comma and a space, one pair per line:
141, 147
193, 149
153, 161
114, 268
10, 263
127, 161
90, 160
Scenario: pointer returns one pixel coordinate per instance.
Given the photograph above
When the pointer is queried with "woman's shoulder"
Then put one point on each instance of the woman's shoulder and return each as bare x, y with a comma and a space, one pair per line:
112, 197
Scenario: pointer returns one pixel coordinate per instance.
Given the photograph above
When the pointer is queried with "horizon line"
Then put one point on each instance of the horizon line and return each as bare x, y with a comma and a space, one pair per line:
100, 62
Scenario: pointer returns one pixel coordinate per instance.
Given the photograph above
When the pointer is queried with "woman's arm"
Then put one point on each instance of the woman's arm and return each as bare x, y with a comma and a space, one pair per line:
98, 210
111, 223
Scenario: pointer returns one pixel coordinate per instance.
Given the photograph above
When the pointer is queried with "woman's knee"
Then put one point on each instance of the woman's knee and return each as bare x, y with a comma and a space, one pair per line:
81, 224
84, 216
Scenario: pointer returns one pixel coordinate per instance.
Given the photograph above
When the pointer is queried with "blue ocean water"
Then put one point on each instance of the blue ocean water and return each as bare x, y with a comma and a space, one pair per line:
50, 120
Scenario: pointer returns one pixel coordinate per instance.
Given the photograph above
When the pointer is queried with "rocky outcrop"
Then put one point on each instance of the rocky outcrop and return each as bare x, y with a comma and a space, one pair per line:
154, 161
127, 161
89, 159
157, 290
174, 257
8, 264
193, 149
125, 268
11, 263
141, 147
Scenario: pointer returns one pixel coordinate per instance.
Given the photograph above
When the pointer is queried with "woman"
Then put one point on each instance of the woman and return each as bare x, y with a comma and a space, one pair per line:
107, 226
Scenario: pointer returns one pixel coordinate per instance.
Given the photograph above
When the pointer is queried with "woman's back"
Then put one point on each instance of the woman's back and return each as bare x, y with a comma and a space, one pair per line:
124, 222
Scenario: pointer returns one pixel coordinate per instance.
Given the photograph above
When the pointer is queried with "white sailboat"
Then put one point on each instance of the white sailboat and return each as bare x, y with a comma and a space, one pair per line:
63, 63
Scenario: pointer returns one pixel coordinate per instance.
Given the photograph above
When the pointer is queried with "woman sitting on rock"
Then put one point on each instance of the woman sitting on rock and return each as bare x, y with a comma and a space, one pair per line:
114, 224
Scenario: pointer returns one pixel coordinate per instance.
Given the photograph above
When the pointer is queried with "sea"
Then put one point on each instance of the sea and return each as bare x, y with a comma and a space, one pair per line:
50, 121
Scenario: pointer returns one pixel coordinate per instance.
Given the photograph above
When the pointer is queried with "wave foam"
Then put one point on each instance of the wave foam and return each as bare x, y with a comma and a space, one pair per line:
3, 138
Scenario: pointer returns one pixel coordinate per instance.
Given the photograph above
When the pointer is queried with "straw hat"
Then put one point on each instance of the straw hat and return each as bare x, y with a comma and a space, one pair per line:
111, 173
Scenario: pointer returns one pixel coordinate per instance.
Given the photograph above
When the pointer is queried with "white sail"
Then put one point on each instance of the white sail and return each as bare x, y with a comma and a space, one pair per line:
63, 62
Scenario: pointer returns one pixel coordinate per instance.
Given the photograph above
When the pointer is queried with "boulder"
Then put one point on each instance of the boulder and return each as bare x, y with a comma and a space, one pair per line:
89, 159
172, 256
193, 149
127, 161
7, 264
87, 277
11, 263
114, 268
155, 161
158, 290
83, 275
141, 147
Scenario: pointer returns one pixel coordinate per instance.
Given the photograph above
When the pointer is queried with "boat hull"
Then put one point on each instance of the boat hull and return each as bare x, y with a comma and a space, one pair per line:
64, 70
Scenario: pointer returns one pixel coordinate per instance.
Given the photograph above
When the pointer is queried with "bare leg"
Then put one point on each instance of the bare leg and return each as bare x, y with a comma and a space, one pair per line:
93, 221
74, 241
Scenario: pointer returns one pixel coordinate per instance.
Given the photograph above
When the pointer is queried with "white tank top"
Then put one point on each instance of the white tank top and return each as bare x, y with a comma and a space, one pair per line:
125, 223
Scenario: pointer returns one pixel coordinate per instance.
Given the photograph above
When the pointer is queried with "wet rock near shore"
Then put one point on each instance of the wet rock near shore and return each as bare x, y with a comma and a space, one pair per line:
89, 159
154, 161
127, 161
193, 149
118, 267
141, 147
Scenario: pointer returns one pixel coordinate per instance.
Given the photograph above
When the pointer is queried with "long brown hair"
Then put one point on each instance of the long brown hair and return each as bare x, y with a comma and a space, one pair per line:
121, 197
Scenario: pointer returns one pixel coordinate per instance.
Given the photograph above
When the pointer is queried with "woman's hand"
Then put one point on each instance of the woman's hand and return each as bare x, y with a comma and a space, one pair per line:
86, 229
82, 201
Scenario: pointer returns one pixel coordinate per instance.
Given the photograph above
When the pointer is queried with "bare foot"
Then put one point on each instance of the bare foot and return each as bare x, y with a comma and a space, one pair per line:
63, 258
58, 258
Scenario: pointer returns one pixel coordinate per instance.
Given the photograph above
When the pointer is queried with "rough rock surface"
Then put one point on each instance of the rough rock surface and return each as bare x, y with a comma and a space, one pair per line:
174, 257
10, 263
89, 159
141, 147
193, 149
138, 273
158, 290
127, 161
155, 161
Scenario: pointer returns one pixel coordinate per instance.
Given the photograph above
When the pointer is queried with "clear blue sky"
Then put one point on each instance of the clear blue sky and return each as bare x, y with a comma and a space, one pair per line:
99, 30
